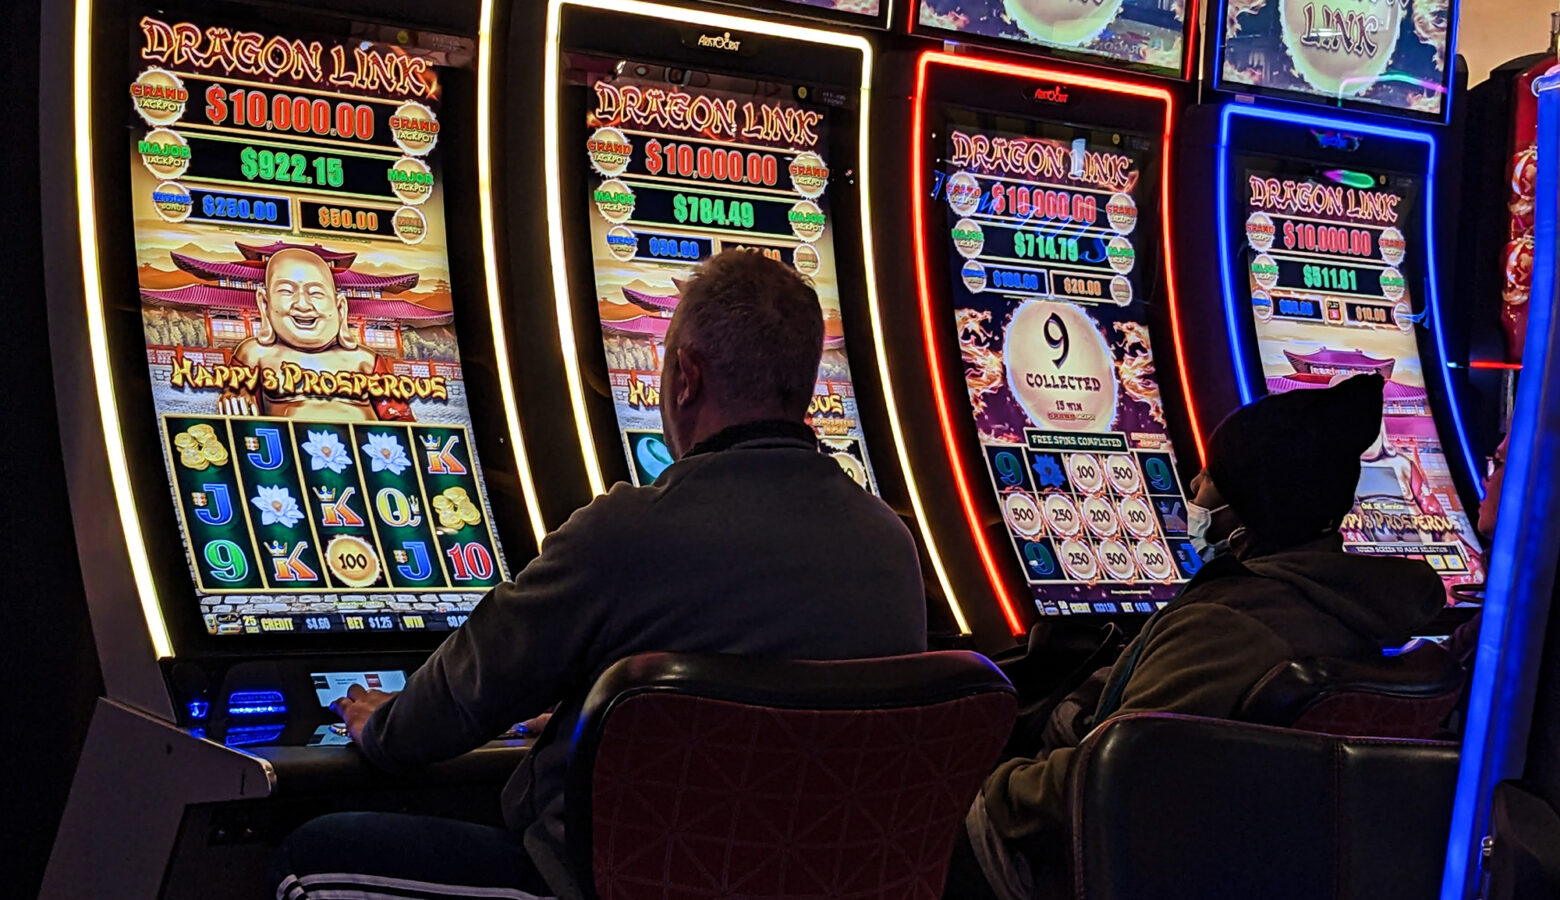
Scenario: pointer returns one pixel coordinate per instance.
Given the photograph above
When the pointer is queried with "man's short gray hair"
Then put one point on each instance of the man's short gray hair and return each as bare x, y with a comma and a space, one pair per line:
757, 324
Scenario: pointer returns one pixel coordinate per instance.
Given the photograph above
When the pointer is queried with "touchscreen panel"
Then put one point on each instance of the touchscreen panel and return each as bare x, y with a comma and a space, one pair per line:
684, 165
1048, 256
300, 330
1329, 270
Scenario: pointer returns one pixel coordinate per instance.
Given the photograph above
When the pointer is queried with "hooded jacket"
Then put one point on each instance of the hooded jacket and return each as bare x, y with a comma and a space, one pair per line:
1233, 623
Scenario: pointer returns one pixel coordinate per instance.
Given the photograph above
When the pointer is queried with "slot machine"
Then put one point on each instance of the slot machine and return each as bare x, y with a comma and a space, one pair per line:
294, 458
1314, 244
1038, 311
662, 135
1507, 805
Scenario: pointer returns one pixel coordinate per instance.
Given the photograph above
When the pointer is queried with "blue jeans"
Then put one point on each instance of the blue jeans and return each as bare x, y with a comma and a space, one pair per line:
390, 856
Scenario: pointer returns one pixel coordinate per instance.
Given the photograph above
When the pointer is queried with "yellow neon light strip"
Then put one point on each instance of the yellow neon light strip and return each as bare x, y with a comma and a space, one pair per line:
552, 163
555, 214
97, 337
885, 377
506, 382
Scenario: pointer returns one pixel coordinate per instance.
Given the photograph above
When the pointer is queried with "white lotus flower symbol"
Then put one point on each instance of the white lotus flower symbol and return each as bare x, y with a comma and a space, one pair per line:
326, 452
386, 453
277, 507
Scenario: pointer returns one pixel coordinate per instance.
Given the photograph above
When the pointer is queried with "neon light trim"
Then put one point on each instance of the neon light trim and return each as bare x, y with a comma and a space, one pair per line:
506, 381
923, 276
1522, 557
1238, 342
554, 168
1495, 364
97, 339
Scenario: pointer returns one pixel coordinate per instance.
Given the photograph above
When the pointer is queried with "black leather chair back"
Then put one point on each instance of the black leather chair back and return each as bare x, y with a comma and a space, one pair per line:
1169, 807
1409, 695
702, 776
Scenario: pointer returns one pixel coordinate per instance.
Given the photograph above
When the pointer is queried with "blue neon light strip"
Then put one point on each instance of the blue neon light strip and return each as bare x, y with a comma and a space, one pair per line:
1522, 559
1233, 320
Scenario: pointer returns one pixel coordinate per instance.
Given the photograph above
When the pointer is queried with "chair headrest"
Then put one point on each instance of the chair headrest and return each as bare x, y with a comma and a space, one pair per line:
888, 682
1286, 691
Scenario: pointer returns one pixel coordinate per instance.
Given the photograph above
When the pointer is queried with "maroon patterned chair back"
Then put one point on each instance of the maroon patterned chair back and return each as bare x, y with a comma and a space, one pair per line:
1409, 695
704, 776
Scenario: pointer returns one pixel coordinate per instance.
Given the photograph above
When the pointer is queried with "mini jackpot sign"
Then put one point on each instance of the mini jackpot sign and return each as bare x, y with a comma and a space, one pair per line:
299, 324
1044, 231
679, 174
1327, 252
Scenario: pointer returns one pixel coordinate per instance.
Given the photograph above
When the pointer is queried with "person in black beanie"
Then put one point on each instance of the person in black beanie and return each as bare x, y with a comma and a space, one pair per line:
1276, 586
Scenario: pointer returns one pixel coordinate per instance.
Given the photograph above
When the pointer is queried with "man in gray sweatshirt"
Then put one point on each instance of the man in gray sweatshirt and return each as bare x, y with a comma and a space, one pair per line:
752, 542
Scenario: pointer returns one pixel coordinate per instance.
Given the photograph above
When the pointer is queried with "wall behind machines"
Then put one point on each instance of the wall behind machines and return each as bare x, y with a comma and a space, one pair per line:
48, 667
1489, 32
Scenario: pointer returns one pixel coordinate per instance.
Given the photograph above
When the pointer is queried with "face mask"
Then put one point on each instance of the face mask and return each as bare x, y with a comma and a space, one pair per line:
1198, 520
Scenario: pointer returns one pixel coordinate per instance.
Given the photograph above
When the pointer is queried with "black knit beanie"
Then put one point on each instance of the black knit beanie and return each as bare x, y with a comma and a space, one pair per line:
1288, 464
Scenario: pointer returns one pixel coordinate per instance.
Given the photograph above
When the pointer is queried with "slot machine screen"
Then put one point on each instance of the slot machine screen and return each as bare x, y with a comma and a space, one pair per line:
1331, 265
1387, 55
1141, 34
684, 165
868, 8
1051, 264
295, 298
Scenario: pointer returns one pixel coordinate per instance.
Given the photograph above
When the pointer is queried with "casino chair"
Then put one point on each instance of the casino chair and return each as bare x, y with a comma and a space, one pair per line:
1408, 695
695, 776
1166, 807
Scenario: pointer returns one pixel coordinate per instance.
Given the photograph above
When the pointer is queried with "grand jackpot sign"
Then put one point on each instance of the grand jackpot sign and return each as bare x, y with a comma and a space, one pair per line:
1044, 237
1329, 273
678, 174
295, 297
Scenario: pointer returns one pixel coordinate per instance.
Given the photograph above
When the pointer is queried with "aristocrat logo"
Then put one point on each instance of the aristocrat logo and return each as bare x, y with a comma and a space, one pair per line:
1054, 94
719, 42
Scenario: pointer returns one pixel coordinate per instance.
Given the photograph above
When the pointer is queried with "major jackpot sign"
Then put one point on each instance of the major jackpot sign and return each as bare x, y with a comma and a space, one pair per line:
679, 174
1044, 236
295, 296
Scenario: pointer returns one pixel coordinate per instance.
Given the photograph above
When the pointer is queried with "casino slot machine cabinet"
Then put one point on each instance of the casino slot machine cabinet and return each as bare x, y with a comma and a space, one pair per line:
1312, 254
1038, 306
668, 134
292, 463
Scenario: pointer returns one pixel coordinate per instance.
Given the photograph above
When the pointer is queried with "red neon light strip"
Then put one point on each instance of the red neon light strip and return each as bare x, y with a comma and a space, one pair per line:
1494, 364
923, 277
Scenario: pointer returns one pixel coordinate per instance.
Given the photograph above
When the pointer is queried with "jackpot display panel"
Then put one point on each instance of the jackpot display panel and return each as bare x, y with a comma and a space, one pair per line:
288, 207
1328, 257
1044, 294
686, 164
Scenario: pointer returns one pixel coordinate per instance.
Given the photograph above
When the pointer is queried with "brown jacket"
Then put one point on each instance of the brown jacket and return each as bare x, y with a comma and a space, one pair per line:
1234, 622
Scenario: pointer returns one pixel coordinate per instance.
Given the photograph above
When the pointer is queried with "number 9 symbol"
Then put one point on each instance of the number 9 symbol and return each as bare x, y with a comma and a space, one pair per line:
1009, 468
1040, 560
1158, 473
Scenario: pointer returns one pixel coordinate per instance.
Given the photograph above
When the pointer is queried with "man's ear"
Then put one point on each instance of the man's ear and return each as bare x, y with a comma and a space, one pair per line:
264, 333
690, 366
344, 333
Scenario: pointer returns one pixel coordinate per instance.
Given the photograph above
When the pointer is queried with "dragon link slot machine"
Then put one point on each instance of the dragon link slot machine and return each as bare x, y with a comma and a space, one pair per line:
1039, 308
1312, 248
668, 134
293, 465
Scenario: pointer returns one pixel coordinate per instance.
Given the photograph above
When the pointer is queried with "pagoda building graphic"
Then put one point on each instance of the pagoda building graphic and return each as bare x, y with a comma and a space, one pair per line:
224, 298
1319, 368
